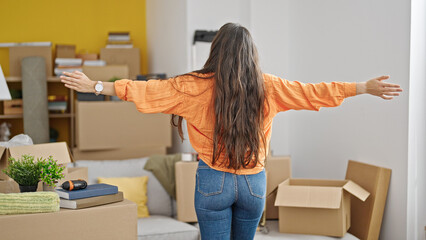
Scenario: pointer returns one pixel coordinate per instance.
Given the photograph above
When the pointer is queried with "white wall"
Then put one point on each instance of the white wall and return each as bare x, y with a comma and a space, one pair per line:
166, 27
334, 40
416, 212
211, 15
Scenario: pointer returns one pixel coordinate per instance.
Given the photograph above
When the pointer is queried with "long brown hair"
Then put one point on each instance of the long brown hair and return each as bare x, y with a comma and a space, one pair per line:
239, 96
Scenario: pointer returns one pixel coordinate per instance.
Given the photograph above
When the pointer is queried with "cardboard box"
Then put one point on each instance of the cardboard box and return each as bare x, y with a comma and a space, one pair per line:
278, 169
10, 186
117, 154
114, 125
105, 73
59, 151
107, 222
126, 56
185, 186
65, 51
321, 207
16, 54
13, 106
366, 217
87, 56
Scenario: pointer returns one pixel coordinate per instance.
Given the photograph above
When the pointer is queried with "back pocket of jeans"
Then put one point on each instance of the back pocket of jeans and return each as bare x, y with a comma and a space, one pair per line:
209, 181
257, 184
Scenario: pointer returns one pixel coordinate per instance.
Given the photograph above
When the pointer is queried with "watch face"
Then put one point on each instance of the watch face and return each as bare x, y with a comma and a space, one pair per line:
98, 87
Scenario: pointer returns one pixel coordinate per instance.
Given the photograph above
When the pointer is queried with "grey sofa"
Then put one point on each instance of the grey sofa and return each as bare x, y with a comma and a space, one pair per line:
162, 223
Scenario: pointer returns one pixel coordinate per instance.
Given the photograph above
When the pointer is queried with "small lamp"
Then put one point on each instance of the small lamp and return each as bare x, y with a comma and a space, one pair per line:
4, 90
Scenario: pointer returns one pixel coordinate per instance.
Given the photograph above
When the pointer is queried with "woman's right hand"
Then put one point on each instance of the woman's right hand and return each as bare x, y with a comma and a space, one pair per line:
78, 81
377, 87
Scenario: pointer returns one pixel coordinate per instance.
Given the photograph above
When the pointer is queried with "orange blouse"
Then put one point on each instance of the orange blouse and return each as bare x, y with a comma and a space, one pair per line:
191, 98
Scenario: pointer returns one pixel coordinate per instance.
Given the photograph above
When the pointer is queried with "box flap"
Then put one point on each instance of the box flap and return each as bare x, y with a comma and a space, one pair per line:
356, 190
2, 149
308, 196
279, 168
59, 151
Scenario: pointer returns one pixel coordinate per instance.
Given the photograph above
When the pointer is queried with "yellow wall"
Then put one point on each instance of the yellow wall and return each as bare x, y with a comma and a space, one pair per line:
85, 23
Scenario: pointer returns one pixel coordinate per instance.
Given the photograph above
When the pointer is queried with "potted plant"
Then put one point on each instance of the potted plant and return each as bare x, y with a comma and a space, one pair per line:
50, 173
25, 171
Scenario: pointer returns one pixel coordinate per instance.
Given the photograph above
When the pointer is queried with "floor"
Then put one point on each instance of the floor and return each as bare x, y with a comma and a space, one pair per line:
273, 233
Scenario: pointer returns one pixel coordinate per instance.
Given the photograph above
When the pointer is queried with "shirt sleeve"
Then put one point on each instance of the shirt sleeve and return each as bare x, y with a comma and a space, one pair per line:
295, 95
153, 96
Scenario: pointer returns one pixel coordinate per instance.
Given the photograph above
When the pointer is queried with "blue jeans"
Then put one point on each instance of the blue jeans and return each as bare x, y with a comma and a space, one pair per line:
228, 206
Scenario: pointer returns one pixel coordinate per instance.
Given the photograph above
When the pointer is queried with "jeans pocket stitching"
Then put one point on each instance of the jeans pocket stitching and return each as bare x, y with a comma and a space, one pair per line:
213, 193
251, 190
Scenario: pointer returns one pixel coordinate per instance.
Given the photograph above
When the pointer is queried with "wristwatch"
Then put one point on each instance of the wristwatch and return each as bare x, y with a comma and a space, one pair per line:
99, 87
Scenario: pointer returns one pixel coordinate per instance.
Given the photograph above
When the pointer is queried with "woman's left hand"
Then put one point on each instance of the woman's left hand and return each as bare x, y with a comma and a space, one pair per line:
377, 87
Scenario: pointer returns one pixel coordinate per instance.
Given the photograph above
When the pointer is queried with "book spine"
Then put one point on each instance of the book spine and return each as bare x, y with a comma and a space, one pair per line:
93, 193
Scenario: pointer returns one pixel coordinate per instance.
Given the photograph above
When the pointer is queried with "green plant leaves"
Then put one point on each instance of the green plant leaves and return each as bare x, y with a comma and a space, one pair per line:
28, 172
50, 171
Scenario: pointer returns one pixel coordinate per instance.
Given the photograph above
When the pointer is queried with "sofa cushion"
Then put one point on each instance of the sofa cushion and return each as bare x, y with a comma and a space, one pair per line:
159, 202
161, 227
134, 189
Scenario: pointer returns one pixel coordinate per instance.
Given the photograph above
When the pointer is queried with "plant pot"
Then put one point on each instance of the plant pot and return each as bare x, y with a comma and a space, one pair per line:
48, 188
28, 188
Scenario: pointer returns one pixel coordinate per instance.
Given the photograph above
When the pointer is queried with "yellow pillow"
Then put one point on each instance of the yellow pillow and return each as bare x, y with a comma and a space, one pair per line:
134, 189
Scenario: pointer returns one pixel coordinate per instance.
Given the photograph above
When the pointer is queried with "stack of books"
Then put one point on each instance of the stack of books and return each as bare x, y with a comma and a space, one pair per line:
119, 40
92, 195
57, 103
94, 63
67, 65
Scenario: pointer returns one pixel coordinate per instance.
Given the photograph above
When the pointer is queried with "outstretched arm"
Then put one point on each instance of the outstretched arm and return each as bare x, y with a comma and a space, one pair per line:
78, 81
154, 96
295, 95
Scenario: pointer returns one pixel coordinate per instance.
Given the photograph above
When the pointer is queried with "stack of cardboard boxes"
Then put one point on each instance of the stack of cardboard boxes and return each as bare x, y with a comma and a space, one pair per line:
308, 206
111, 221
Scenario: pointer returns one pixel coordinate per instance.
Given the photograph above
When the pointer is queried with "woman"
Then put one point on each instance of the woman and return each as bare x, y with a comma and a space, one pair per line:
229, 106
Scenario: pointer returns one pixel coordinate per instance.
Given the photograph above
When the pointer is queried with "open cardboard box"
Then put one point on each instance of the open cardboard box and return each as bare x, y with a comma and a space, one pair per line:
321, 207
59, 151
